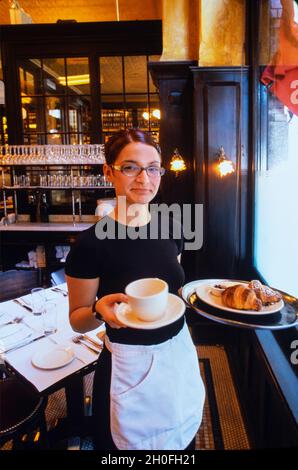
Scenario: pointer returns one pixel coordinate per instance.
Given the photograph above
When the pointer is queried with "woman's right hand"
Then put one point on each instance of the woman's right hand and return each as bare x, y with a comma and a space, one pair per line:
106, 306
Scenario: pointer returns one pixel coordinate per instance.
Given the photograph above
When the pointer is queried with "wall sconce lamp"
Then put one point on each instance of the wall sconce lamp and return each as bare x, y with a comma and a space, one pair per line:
224, 165
177, 163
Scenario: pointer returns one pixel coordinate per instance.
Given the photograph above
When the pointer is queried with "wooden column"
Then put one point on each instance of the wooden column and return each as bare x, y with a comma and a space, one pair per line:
174, 82
221, 119
180, 29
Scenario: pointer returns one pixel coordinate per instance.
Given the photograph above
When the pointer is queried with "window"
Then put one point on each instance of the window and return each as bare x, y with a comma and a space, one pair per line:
276, 177
128, 96
56, 98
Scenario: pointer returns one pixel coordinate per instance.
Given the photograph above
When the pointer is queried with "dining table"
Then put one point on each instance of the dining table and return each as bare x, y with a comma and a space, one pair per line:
29, 358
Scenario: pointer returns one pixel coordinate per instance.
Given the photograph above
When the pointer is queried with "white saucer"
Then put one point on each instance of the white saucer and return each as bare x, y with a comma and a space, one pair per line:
53, 358
175, 309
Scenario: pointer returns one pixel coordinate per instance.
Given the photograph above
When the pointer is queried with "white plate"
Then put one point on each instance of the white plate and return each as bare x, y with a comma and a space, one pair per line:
53, 358
8, 330
204, 293
2, 313
174, 311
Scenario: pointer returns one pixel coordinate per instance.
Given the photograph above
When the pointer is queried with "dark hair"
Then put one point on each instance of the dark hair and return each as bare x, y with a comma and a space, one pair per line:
124, 137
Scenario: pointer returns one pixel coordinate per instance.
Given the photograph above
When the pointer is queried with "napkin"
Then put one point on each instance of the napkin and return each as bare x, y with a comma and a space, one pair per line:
97, 335
4, 317
21, 336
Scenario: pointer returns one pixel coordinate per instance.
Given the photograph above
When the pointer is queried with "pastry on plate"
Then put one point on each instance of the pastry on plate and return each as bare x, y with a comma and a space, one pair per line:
241, 297
266, 295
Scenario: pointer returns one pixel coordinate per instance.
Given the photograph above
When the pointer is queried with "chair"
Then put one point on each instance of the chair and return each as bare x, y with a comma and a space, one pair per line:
16, 283
58, 277
22, 411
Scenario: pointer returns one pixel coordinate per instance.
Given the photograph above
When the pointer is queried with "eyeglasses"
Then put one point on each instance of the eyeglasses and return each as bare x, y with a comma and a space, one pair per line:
136, 170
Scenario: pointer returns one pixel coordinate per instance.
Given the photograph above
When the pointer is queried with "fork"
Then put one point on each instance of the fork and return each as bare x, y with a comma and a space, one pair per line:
77, 340
86, 338
11, 322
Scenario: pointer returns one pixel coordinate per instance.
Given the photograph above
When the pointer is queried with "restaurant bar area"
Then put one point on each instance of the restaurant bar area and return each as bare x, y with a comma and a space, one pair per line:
148, 228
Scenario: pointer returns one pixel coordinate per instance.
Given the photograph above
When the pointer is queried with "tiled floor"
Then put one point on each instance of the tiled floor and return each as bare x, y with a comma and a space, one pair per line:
222, 426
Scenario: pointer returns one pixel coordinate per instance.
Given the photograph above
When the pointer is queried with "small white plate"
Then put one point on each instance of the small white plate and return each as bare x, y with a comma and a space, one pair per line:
53, 358
203, 292
8, 330
175, 309
2, 313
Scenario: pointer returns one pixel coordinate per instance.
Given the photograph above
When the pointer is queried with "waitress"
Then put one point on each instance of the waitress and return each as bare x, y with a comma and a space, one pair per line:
148, 393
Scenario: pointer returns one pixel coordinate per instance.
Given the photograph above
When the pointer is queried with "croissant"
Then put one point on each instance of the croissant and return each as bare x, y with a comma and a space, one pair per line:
264, 293
241, 297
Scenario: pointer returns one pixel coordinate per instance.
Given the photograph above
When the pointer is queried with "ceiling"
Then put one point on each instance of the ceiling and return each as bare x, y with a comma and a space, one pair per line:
49, 11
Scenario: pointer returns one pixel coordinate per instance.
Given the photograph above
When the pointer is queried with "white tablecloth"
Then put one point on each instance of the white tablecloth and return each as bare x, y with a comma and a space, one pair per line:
20, 359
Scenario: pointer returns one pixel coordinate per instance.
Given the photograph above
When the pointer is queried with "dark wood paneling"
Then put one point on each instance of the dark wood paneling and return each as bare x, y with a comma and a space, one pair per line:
221, 118
16, 283
174, 82
266, 386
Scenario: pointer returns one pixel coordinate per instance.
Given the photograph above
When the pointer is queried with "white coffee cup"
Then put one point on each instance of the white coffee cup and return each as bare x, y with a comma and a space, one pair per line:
148, 298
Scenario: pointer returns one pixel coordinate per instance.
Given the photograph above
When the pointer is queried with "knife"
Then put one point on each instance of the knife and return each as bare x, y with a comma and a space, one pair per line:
19, 302
61, 291
92, 341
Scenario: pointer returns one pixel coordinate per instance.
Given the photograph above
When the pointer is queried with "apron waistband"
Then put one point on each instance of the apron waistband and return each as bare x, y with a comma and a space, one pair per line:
133, 349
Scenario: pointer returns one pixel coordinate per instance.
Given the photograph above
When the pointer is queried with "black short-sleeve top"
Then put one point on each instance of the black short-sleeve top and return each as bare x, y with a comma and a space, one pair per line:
119, 257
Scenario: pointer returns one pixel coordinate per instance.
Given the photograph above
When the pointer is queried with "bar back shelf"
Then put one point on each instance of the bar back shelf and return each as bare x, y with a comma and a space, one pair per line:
38, 168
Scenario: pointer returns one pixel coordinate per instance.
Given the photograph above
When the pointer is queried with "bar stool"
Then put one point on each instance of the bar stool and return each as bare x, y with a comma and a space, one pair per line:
22, 411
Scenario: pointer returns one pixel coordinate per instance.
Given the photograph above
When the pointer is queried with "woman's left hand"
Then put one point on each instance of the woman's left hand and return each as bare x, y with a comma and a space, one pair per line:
106, 306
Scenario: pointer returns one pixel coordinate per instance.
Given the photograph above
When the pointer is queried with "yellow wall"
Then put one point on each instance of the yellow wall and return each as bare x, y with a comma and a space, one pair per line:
210, 31
222, 32
180, 29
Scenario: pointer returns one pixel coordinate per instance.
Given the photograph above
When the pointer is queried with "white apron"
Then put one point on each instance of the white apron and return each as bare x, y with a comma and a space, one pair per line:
157, 394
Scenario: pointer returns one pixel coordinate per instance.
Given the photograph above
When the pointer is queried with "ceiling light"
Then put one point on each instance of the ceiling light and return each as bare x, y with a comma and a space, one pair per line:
156, 113
83, 79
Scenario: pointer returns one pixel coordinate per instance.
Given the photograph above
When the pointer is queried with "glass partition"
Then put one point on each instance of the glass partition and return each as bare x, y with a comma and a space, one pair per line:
57, 106
276, 188
128, 95
56, 100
